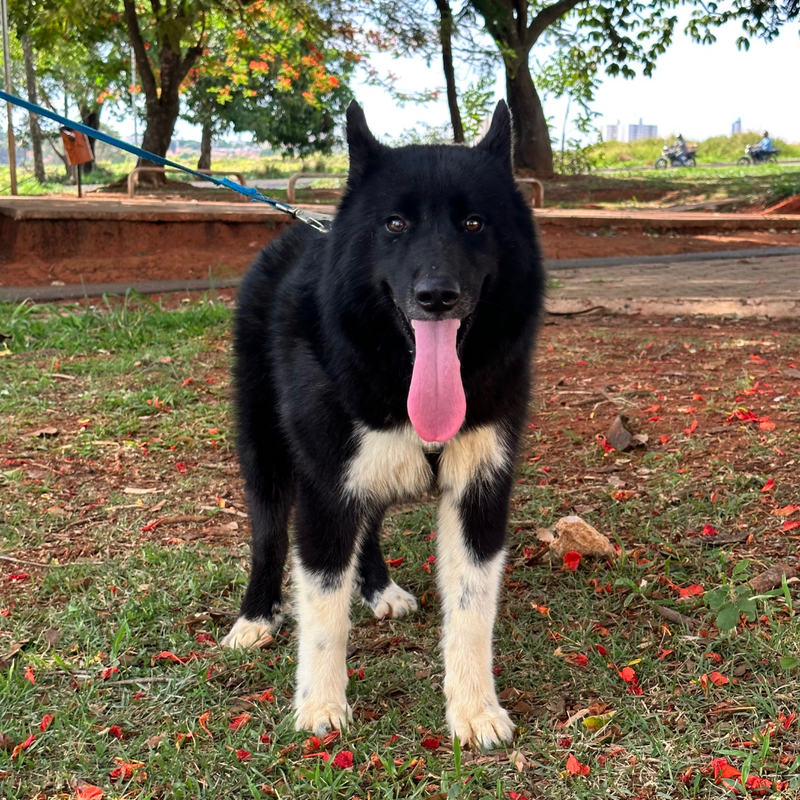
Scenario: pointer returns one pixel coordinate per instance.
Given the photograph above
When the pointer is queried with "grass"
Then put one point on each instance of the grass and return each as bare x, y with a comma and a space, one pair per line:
642, 188
138, 394
709, 151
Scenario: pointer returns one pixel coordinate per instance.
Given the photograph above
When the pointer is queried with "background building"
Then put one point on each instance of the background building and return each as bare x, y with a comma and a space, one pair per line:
642, 131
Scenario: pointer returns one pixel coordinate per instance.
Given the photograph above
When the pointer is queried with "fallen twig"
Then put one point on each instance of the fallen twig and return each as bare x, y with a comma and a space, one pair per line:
15, 560
674, 616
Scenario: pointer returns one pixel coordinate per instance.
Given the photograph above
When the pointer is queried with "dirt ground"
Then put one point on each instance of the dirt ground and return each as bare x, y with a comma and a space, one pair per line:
172, 256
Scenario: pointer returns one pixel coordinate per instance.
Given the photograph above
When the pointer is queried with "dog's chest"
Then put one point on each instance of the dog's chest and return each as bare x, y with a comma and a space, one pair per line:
392, 466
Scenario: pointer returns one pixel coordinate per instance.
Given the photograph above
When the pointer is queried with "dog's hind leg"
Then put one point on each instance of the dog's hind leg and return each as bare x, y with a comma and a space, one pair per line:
475, 475
379, 591
268, 482
324, 573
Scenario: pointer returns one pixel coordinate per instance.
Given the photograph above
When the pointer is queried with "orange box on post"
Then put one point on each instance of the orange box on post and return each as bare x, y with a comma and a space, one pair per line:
77, 147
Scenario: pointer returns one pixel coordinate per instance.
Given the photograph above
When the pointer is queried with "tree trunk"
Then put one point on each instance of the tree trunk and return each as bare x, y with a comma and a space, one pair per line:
446, 41
532, 149
33, 120
160, 121
204, 162
92, 119
162, 101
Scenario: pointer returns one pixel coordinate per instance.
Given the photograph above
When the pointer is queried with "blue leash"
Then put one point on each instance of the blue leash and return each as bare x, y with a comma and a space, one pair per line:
320, 222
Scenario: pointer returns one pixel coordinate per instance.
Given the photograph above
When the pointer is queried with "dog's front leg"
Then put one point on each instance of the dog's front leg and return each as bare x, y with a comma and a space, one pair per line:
475, 477
324, 573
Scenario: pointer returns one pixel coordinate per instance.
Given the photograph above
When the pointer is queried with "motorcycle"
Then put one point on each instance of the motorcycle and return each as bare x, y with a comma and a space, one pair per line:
753, 154
672, 157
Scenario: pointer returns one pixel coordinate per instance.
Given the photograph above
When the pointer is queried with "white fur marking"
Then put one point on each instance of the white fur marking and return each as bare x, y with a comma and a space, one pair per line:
469, 592
388, 465
470, 455
393, 602
246, 632
323, 625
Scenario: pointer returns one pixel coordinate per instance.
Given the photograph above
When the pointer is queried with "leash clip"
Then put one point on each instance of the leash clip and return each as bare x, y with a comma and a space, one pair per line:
321, 225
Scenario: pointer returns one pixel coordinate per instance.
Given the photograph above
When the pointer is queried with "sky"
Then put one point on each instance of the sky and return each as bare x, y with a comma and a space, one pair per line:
697, 90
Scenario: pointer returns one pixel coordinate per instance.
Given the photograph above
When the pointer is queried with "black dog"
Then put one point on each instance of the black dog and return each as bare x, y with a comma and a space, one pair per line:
372, 363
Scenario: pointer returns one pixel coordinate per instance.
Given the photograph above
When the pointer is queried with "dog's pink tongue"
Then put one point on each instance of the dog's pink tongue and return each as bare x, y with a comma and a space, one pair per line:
436, 401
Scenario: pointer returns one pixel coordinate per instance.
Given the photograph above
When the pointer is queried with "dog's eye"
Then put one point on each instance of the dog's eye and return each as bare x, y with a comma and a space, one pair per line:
473, 224
396, 224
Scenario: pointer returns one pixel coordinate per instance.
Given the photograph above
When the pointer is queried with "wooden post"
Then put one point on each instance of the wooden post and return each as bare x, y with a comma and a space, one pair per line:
12, 150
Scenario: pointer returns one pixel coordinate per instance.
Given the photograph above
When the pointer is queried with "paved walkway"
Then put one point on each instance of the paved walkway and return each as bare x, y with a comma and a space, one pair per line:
749, 285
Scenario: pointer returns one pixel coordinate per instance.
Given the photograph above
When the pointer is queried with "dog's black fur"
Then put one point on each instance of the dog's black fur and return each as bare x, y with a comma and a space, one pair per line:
323, 344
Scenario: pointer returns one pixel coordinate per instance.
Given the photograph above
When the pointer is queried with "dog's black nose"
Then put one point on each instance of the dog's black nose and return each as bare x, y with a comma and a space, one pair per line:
437, 294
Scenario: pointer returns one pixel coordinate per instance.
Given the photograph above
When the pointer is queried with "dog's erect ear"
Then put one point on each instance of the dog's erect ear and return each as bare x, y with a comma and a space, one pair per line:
498, 140
364, 147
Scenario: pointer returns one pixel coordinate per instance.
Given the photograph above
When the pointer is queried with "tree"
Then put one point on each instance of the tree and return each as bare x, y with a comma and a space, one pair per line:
277, 77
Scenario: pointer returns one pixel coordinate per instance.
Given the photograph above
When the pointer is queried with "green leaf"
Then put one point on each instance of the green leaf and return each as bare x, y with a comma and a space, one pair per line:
728, 617
743, 565
716, 597
789, 662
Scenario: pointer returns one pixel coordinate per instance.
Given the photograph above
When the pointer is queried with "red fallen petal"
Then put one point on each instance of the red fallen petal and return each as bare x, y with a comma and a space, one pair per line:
343, 759
718, 679
743, 415
565, 741
204, 638
29, 676
766, 424
692, 428
709, 530
628, 675
574, 767
722, 769
791, 525
786, 511
664, 439
580, 660
181, 467
138, 696
769, 485
267, 696
572, 559
23, 746
329, 738
663, 653
85, 791
600, 649
265, 738
243, 755
715, 657
47, 721
107, 672
431, 742
689, 591
787, 721
115, 731
18, 576
238, 721
395, 562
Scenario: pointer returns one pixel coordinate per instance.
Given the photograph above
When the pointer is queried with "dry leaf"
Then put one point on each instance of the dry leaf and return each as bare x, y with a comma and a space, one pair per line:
575, 535
45, 433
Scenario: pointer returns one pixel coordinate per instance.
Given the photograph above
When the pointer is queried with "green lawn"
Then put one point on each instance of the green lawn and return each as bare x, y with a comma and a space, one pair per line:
131, 515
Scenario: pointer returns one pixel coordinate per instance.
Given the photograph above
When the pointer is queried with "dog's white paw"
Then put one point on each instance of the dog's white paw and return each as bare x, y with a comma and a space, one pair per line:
393, 602
322, 717
247, 632
488, 727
